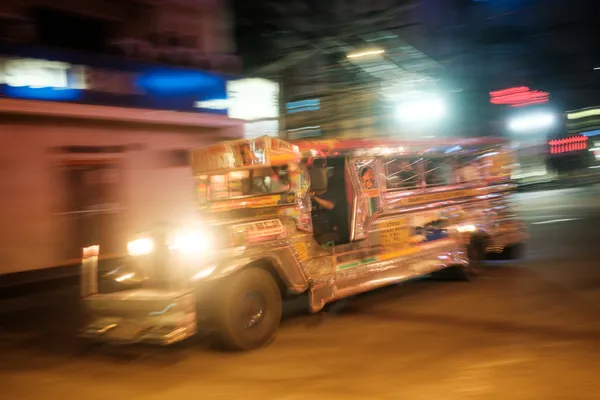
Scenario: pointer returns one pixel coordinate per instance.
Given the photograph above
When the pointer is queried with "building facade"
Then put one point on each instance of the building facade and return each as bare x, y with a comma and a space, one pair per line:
195, 33
305, 45
97, 114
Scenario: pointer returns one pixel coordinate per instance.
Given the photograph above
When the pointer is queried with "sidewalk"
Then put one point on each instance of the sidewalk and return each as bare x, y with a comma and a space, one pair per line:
41, 299
31, 282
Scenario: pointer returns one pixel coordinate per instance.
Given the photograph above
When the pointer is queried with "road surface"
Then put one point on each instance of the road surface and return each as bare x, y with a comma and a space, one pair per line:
522, 330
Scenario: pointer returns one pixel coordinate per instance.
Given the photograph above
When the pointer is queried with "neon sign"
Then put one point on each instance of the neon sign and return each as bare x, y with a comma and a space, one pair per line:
573, 143
519, 97
65, 78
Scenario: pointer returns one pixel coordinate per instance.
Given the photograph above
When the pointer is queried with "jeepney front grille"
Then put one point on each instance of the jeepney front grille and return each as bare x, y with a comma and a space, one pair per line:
220, 236
163, 268
157, 265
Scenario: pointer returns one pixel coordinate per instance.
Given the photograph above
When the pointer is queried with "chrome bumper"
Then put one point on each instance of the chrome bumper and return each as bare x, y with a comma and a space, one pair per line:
122, 333
140, 316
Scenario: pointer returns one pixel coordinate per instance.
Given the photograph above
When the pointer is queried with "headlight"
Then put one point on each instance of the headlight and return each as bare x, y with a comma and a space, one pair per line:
140, 247
190, 242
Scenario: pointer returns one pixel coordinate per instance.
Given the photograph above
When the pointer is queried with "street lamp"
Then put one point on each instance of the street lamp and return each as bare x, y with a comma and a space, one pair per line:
366, 53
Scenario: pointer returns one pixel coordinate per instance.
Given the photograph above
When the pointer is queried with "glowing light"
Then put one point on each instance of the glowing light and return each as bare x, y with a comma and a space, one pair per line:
203, 273
518, 97
91, 251
140, 247
253, 99
565, 145
591, 133
532, 122
554, 221
425, 109
125, 277
590, 112
169, 82
466, 228
190, 241
366, 53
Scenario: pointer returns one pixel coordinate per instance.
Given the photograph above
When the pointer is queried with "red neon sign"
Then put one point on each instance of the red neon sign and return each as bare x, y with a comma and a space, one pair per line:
573, 143
518, 97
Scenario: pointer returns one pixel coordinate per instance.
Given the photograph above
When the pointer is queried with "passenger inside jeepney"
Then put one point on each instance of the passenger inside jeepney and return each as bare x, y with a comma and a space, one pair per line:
269, 180
329, 224
468, 171
402, 174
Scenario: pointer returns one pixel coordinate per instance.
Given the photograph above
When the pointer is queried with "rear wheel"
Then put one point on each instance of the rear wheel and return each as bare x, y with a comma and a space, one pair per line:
249, 310
476, 256
512, 252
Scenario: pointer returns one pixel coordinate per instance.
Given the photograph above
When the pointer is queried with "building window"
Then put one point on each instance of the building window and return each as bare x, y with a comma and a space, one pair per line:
177, 158
190, 42
70, 30
469, 170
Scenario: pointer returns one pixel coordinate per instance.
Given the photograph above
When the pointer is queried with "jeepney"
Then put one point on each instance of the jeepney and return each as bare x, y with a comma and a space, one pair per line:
404, 209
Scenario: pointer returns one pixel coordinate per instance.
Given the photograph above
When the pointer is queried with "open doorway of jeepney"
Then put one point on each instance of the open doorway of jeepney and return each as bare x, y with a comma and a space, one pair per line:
92, 204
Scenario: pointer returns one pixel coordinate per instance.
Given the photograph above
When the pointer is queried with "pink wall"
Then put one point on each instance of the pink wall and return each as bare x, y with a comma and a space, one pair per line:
33, 235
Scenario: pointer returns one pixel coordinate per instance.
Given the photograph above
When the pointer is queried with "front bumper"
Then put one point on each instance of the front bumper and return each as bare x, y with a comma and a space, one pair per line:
140, 316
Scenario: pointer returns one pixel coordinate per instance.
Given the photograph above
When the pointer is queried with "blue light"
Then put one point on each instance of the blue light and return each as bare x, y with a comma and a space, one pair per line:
177, 82
47, 93
303, 105
453, 149
591, 133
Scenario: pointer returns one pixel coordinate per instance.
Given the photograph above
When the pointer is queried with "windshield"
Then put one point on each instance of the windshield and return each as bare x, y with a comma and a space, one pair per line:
258, 181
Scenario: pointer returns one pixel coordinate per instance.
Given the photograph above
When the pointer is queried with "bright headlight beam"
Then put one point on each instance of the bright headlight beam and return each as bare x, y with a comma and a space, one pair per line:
190, 242
140, 247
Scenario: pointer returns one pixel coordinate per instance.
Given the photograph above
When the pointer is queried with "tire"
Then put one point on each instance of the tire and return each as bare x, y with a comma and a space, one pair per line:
512, 252
248, 312
453, 273
476, 253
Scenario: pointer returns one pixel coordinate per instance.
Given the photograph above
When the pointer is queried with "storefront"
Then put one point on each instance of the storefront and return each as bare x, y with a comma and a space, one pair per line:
95, 149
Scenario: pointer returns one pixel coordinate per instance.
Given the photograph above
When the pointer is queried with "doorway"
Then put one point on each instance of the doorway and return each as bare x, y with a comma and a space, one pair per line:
332, 225
93, 207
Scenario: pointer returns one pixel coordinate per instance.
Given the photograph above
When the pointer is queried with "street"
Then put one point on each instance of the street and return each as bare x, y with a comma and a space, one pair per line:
522, 330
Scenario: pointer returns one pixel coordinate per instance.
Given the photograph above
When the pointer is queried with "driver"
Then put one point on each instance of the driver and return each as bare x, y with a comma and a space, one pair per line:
325, 226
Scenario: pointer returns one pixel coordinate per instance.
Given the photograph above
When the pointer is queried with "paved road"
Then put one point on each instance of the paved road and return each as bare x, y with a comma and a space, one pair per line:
525, 330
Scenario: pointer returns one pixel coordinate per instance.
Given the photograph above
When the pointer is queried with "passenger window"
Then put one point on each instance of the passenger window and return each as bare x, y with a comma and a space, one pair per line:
469, 170
439, 172
402, 173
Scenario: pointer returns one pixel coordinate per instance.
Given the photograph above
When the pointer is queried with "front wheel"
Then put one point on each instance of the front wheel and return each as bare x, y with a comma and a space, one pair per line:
476, 253
249, 310
513, 252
